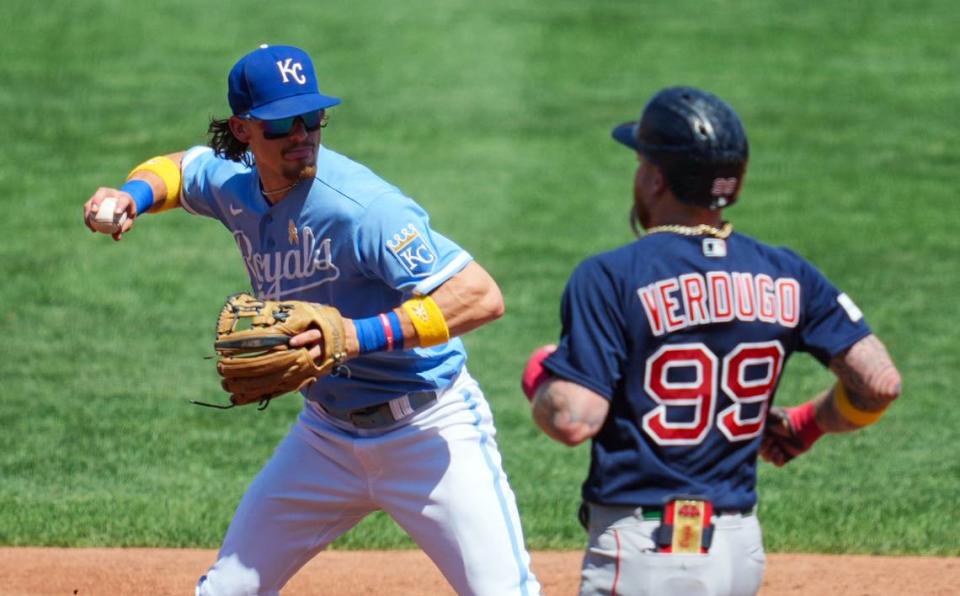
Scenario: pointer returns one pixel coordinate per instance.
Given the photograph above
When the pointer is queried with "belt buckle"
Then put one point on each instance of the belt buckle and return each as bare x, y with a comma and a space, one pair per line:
366, 417
687, 526
385, 413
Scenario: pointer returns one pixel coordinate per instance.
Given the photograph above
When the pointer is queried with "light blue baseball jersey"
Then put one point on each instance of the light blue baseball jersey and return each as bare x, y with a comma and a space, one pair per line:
348, 239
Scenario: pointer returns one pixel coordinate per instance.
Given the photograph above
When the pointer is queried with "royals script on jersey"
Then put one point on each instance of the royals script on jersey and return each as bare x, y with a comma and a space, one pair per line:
347, 239
688, 337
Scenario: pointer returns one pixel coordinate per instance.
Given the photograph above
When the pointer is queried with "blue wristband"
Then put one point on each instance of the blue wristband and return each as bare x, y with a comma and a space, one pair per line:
370, 334
397, 330
141, 192
382, 332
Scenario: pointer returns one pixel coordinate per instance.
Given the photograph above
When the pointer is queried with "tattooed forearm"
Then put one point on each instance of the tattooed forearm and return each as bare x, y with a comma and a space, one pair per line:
548, 406
868, 374
869, 379
568, 412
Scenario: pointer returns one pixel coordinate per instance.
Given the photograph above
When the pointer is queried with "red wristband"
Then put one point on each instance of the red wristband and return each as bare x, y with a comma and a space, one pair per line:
387, 330
534, 374
804, 423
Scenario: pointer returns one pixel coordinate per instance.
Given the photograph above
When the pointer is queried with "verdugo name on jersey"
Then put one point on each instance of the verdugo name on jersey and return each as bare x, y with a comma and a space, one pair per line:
675, 303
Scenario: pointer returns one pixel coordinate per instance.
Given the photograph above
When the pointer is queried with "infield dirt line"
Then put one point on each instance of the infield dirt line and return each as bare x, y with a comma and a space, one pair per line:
111, 571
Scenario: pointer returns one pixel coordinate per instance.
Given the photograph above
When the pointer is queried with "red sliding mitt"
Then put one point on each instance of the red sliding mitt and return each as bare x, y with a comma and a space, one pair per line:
534, 374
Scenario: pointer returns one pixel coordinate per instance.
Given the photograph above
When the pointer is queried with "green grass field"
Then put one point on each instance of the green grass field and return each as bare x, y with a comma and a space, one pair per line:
495, 116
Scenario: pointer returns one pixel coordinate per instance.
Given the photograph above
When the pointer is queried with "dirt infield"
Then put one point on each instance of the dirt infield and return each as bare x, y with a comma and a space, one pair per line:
100, 571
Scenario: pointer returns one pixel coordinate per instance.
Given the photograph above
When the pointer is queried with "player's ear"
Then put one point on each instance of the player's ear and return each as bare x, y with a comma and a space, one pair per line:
241, 129
658, 182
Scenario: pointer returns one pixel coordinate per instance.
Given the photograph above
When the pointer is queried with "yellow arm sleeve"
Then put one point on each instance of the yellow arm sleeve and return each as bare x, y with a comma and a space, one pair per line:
168, 171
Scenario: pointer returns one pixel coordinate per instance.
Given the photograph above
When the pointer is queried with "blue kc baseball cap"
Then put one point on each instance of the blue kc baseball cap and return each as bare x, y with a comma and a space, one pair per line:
275, 82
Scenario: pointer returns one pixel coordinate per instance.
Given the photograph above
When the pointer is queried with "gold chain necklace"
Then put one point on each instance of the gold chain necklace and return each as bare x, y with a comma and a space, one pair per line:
700, 230
308, 173
279, 190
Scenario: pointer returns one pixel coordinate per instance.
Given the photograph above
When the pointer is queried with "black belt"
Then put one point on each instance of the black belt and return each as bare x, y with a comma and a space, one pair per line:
385, 413
657, 512
652, 513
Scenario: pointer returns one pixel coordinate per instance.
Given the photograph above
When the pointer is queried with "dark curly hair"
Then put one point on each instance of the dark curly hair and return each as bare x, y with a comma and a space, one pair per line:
224, 144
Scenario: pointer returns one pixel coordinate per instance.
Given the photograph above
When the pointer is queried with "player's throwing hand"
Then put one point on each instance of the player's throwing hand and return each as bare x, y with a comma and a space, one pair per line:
116, 224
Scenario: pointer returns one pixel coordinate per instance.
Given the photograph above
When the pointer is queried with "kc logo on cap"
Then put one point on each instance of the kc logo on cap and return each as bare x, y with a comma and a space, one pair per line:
274, 82
293, 71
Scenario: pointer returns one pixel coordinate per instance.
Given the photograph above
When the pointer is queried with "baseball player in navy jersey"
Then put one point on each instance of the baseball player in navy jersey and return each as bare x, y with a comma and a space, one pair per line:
670, 353
402, 427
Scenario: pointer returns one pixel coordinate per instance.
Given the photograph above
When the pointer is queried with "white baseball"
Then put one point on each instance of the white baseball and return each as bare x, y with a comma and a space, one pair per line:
106, 220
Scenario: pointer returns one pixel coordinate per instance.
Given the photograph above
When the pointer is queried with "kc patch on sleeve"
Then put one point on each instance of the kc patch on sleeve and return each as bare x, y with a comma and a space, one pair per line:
412, 250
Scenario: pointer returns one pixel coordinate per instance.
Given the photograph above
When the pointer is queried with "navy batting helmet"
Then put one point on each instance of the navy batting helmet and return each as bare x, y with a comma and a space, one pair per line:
698, 142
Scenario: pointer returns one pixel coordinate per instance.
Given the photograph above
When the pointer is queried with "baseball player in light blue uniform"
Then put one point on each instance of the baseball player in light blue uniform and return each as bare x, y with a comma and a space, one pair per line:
402, 427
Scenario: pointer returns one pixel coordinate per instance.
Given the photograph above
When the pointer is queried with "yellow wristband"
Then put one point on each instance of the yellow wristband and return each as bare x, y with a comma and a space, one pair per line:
852, 413
169, 172
427, 319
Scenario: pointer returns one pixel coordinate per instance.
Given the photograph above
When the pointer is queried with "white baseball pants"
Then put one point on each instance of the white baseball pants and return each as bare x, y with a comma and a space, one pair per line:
437, 473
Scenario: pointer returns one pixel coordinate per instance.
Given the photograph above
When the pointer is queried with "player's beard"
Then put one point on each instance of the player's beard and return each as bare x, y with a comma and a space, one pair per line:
305, 170
308, 172
639, 219
635, 226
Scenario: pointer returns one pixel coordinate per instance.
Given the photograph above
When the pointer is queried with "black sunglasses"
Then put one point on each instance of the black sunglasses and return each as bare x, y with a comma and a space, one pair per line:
281, 127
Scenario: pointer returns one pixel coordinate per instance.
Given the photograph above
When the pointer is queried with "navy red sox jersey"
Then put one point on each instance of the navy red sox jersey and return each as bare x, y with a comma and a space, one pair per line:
348, 239
687, 337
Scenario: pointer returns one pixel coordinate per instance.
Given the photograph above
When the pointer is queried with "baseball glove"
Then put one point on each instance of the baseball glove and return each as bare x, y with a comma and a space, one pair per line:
781, 442
256, 363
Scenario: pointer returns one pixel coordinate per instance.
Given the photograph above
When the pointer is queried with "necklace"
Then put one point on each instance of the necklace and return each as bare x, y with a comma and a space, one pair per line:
703, 229
279, 190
